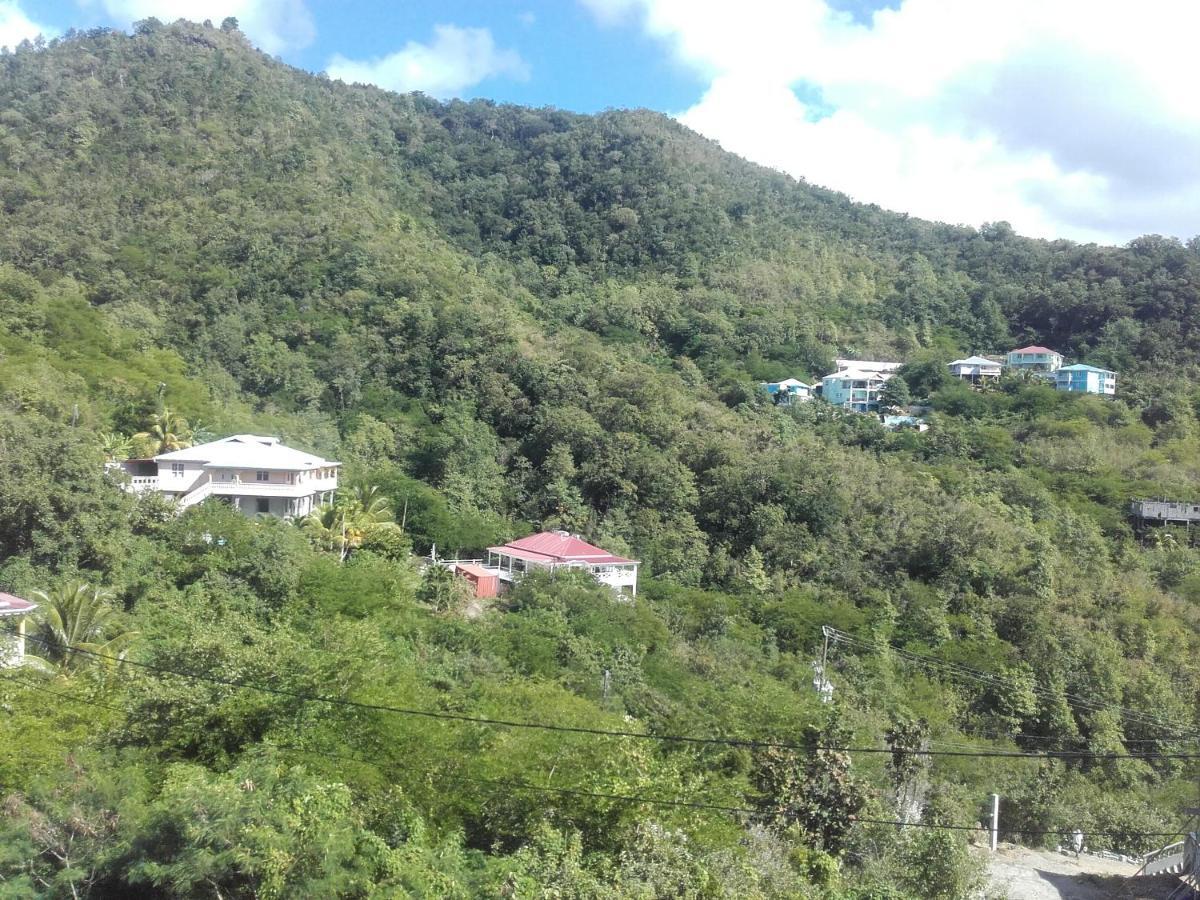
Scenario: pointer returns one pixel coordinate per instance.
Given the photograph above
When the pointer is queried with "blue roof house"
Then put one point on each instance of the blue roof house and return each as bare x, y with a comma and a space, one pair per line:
1085, 379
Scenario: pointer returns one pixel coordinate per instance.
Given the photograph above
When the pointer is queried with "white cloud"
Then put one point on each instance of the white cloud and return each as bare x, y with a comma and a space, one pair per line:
458, 58
276, 26
16, 26
1068, 118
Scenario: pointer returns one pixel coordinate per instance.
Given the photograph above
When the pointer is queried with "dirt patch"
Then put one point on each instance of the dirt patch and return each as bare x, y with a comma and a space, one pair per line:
1023, 874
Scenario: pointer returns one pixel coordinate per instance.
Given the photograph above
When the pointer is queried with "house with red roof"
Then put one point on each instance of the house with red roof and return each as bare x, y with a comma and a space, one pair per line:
1035, 359
13, 611
556, 550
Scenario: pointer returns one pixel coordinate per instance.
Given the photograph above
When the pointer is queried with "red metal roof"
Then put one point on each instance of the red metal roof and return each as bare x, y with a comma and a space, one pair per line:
474, 570
558, 547
12, 606
1035, 350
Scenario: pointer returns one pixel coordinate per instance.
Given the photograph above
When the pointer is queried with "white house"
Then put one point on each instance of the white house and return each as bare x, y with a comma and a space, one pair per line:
257, 475
13, 611
1085, 379
555, 550
854, 389
787, 391
1035, 359
866, 365
975, 369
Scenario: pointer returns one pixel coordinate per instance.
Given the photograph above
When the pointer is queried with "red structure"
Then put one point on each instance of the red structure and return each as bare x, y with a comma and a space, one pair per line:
485, 583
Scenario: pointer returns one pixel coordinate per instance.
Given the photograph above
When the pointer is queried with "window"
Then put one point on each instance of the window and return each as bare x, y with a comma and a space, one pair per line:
262, 475
176, 470
264, 505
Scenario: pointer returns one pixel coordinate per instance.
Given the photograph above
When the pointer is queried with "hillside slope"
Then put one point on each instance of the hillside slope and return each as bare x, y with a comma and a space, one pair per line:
507, 319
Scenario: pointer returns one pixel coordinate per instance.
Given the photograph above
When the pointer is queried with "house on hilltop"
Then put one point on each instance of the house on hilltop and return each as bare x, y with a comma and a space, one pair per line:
254, 474
788, 391
557, 550
13, 612
975, 369
1085, 379
855, 389
1035, 359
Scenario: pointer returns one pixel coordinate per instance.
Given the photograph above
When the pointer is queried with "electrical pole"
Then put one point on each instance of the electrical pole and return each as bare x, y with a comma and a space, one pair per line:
995, 820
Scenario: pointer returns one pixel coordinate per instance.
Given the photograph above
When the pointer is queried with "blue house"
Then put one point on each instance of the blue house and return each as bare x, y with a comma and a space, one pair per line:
1085, 379
787, 391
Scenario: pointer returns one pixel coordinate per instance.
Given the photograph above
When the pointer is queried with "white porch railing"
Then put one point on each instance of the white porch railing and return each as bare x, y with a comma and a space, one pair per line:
281, 489
194, 496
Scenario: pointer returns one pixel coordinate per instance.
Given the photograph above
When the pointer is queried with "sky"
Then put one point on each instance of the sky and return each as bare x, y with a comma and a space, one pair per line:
1066, 118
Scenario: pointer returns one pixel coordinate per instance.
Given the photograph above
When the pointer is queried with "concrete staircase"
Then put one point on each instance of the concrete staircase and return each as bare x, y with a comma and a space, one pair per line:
1169, 860
200, 488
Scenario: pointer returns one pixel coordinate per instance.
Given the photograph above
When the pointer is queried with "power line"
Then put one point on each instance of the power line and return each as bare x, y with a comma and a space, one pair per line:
751, 743
994, 680
74, 698
632, 798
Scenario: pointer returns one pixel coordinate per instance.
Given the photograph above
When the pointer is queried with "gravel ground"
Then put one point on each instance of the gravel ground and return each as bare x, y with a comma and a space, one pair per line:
1023, 874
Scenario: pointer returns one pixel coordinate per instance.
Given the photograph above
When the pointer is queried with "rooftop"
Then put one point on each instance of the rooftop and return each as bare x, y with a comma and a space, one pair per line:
474, 570
1034, 349
1080, 367
558, 547
975, 361
14, 606
247, 451
867, 365
860, 375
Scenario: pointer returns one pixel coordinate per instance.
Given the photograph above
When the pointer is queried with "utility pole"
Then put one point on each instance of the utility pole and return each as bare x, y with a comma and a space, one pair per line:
606, 684
995, 820
821, 682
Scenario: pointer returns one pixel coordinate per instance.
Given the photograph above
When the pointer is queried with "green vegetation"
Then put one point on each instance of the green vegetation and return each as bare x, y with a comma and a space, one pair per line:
502, 319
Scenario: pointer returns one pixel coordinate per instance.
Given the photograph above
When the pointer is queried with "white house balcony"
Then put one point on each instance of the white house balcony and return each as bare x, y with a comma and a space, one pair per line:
271, 488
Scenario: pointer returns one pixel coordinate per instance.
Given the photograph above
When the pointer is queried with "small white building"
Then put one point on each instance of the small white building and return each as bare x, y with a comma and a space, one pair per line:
555, 550
904, 423
975, 369
13, 611
866, 365
854, 389
1035, 359
256, 475
788, 391
1085, 379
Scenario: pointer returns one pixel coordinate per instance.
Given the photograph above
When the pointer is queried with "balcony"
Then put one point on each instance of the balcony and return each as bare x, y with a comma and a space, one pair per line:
273, 488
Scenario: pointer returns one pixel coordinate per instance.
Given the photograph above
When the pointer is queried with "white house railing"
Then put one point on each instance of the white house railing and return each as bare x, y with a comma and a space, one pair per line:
251, 488
194, 496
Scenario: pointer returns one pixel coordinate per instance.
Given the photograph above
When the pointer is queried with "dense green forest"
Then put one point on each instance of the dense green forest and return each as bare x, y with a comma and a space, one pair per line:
507, 319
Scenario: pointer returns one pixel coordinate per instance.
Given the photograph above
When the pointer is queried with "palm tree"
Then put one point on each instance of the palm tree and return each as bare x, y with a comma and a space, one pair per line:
327, 525
115, 446
343, 525
76, 621
166, 432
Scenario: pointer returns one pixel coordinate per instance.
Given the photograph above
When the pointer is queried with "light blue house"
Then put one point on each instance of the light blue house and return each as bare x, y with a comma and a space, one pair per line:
1035, 359
788, 391
1085, 379
854, 389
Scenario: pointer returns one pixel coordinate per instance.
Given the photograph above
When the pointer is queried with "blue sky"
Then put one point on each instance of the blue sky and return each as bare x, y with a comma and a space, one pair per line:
965, 111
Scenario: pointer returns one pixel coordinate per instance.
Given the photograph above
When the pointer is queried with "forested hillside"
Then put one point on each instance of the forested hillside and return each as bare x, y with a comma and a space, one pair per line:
507, 319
